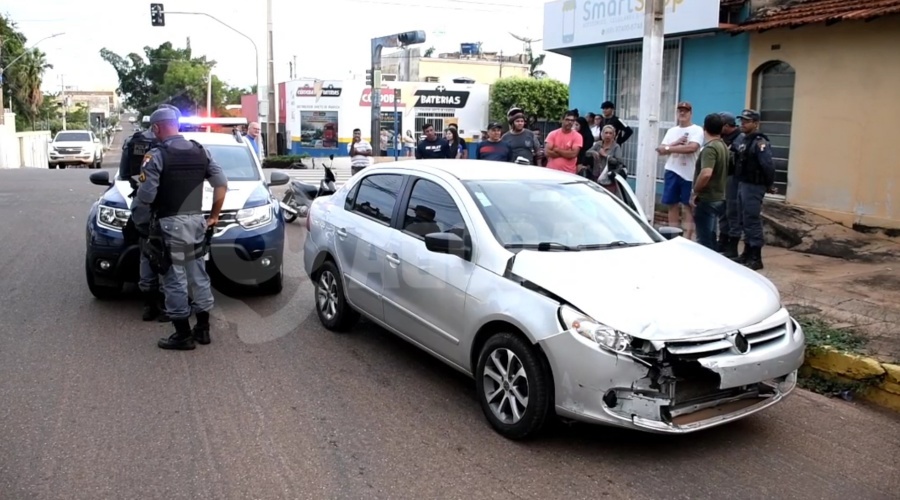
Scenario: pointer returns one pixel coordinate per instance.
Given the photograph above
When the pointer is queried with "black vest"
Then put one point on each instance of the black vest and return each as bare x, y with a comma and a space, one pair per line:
138, 146
180, 189
747, 167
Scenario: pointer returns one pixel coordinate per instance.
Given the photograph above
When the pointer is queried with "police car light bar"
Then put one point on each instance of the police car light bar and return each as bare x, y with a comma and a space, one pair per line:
203, 121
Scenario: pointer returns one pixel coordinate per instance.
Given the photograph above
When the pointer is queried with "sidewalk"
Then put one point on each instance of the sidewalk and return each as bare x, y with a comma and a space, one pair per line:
858, 295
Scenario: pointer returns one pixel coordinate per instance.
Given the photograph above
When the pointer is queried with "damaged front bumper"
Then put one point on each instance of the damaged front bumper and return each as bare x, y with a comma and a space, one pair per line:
685, 386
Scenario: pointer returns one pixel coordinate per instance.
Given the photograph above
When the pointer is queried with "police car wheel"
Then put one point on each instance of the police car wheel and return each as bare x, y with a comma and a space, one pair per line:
99, 291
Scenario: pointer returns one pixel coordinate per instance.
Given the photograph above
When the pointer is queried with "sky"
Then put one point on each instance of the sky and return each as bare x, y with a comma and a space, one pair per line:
330, 39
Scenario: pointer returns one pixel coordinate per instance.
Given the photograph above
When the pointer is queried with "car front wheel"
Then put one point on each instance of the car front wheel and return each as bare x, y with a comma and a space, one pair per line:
331, 304
514, 386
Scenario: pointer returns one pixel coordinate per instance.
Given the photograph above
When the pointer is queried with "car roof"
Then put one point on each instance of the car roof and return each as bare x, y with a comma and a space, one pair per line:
212, 138
482, 170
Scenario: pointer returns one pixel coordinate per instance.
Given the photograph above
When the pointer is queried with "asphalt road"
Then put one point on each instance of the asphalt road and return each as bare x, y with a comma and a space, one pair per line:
277, 407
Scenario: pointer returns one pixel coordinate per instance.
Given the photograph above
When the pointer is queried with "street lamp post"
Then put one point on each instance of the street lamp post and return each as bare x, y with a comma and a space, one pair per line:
390, 41
3, 69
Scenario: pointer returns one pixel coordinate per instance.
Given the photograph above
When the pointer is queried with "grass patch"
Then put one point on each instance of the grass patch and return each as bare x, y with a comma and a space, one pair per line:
820, 333
844, 389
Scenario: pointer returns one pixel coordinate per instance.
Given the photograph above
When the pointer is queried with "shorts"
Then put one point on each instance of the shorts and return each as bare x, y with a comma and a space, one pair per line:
676, 189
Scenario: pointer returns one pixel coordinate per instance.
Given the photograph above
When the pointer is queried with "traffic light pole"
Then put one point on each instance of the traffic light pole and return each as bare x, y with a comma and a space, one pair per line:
390, 41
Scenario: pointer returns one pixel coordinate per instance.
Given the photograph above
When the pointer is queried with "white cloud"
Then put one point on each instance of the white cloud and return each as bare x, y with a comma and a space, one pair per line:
329, 38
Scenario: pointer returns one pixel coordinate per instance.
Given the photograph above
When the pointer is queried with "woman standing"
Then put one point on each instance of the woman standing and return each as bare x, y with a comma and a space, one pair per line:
455, 149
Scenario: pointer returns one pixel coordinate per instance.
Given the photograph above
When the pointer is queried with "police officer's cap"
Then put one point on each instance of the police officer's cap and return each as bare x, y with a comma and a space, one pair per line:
163, 114
750, 114
728, 118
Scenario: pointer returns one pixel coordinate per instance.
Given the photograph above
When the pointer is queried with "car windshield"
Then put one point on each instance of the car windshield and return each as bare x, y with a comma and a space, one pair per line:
554, 215
236, 161
73, 137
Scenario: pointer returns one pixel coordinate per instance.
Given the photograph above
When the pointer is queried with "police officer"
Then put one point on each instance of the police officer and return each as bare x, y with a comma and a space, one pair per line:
730, 219
169, 201
755, 172
135, 149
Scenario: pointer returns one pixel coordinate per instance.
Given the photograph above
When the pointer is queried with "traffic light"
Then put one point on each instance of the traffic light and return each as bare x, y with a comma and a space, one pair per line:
369, 77
411, 37
397, 96
157, 16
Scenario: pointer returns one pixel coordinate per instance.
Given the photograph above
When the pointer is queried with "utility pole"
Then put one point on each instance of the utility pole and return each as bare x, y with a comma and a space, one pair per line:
390, 41
65, 100
651, 90
271, 126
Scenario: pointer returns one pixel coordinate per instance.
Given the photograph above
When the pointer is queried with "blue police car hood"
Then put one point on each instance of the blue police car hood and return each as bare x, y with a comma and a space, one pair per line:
241, 194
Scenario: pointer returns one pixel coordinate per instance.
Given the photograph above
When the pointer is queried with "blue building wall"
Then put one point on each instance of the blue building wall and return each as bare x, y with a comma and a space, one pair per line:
713, 76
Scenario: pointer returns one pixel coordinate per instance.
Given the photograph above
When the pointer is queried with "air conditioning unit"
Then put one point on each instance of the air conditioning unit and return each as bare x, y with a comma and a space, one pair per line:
388, 77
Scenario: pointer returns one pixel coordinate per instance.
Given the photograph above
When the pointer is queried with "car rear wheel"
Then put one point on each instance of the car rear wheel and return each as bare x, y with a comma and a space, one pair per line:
331, 305
99, 291
514, 386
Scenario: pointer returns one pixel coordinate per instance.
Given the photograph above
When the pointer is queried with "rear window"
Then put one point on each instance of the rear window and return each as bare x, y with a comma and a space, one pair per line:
236, 161
73, 137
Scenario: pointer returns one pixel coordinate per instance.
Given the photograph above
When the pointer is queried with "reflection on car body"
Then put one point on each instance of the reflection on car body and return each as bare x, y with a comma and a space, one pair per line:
553, 295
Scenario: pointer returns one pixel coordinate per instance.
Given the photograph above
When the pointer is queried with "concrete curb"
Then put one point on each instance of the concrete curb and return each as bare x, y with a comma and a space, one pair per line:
880, 381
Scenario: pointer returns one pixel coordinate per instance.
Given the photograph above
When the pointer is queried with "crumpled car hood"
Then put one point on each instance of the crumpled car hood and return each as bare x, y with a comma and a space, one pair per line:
673, 290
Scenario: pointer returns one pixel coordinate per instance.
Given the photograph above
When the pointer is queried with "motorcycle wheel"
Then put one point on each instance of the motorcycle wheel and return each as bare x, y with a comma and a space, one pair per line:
288, 217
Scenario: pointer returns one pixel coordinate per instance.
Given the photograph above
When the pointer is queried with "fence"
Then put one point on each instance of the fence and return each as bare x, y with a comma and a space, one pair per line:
22, 149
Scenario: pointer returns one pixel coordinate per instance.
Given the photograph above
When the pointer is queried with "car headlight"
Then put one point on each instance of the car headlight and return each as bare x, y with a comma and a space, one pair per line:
591, 329
255, 217
113, 218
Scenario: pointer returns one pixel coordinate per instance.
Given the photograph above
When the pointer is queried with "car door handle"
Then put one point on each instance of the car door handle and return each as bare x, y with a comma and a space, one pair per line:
393, 259
341, 232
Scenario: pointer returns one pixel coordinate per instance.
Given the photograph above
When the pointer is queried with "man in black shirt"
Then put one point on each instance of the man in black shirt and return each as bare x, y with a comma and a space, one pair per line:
433, 146
494, 149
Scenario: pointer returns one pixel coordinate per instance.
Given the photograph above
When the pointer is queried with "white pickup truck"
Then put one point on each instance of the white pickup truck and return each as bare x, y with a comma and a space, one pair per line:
75, 148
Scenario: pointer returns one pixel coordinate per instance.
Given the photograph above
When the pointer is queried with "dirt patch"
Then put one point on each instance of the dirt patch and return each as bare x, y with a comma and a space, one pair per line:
884, 281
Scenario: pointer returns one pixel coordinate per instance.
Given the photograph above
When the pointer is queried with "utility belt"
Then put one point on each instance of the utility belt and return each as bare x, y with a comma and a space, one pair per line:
159, 251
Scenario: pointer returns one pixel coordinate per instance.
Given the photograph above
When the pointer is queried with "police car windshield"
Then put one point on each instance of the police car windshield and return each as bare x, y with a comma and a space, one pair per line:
73, 137
237, 161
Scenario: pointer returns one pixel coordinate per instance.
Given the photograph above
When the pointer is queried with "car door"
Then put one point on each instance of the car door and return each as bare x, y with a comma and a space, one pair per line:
425, 292
361, 235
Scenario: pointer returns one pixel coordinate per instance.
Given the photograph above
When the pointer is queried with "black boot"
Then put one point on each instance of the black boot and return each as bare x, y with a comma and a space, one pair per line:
731, 247
754, 261
181, 340
744, 256
151, 306
722, 243
201, 329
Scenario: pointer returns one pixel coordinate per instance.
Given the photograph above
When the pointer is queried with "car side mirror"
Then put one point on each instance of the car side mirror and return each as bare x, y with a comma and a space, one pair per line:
449, 243
279, 179
101, 178
670, 233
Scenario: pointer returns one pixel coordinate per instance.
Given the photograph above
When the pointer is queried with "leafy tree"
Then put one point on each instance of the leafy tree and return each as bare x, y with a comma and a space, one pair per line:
544, 99
21, 81
167, 74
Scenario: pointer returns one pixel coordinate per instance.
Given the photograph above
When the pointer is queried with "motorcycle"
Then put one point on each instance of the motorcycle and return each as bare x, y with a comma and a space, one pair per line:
300, 195
614, 178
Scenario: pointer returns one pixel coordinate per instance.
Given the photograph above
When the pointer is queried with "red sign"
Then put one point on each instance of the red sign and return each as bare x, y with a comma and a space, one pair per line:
282, 108
387, 98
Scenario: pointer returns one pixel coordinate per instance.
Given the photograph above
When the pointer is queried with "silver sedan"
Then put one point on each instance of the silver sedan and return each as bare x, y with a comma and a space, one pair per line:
553, 294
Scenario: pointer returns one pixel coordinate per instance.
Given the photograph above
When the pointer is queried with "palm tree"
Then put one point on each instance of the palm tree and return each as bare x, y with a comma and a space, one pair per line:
28, 75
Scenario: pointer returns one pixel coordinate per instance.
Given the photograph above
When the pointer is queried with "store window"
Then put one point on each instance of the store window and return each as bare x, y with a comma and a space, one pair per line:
623, 87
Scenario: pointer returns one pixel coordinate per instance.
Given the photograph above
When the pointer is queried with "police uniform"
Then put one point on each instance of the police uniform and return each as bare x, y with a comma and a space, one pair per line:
136, 148
755, 173
730, 220
171, 195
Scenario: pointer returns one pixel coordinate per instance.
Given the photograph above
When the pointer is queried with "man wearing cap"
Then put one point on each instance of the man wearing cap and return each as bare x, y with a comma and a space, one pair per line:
170, 197
623, 132
136, 148
731, 217
755, 172
519, 139
681, 145
493, 148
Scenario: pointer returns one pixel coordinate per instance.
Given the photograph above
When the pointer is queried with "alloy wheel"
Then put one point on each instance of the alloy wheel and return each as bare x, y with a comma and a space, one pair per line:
506, 386
327, 295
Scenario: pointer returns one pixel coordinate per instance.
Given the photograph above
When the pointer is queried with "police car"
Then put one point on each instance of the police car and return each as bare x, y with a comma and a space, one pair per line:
247, 246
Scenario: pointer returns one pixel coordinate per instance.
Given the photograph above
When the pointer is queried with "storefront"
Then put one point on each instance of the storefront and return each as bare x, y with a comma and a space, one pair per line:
701, 64
321, 115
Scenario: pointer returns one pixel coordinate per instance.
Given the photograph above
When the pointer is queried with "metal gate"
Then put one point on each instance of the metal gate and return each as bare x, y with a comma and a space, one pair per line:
433, 118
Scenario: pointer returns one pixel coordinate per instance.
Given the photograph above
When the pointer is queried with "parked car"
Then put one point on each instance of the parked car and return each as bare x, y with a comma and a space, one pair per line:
247, 246
553, 294
75, 148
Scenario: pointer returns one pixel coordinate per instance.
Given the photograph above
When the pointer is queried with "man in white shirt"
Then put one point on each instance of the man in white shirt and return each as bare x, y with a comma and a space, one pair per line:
360, 152
682, 146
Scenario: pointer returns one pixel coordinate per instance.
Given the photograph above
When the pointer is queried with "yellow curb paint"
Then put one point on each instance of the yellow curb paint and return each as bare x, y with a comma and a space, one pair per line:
839, 366
893, 372
852, 366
